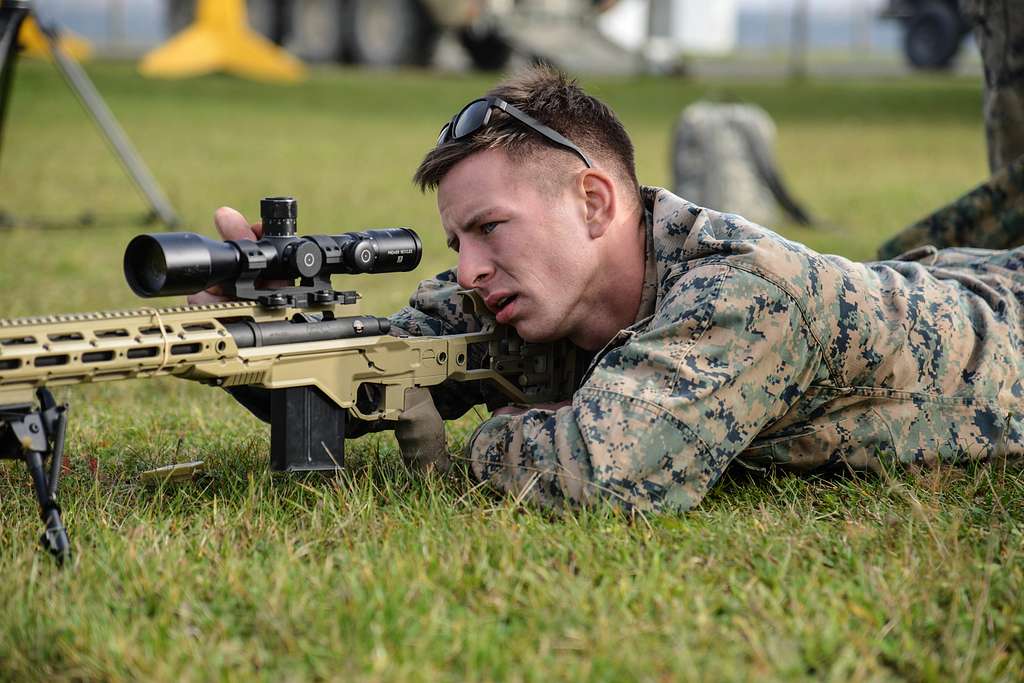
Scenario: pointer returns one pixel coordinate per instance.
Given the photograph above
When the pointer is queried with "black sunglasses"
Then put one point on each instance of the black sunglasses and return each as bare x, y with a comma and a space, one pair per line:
477, 114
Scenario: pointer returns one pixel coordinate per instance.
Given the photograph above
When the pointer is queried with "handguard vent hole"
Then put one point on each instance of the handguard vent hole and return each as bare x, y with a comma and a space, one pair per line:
47, 361
147, 352
442, 358
10, 364
109, 334
97, 356
185, 349
65, 337
18, 341
460, 359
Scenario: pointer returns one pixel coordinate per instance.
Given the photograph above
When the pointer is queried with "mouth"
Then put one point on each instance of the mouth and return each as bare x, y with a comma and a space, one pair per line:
505, 301
502, 305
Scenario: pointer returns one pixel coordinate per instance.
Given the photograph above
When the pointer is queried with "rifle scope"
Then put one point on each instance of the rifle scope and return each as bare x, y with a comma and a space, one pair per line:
173, 263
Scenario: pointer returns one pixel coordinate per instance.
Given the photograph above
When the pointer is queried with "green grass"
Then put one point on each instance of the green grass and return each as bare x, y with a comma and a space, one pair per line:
380, 574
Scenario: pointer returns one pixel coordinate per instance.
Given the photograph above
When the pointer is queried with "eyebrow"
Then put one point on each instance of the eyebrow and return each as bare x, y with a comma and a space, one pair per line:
476, 219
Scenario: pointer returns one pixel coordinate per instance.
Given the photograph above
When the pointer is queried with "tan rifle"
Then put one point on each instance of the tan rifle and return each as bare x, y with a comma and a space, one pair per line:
321, 361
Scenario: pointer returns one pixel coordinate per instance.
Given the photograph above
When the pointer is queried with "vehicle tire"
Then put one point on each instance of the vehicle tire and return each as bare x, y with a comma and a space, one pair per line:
180, 13
267, 18
390, 33
316, 29
264, 17
489, 51
933, 36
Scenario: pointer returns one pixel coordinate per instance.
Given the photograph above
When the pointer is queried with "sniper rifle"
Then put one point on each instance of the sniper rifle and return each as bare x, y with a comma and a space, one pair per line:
321, 362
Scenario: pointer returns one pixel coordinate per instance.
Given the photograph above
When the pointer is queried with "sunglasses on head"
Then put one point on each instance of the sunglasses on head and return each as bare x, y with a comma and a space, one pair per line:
477, 114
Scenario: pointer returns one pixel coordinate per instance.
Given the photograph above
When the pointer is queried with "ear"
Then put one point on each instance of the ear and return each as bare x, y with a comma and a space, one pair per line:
600, 206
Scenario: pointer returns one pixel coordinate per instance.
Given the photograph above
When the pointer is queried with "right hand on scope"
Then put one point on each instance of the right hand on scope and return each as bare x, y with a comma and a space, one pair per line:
231, 225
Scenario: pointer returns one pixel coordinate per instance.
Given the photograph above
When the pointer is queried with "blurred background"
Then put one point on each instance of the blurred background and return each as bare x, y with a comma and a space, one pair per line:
602, 36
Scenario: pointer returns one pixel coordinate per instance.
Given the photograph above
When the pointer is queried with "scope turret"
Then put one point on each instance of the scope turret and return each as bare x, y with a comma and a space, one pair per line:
175, 263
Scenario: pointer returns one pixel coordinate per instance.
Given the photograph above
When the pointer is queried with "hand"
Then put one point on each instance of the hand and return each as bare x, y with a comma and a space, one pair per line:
231, 225
519, 410
420, 433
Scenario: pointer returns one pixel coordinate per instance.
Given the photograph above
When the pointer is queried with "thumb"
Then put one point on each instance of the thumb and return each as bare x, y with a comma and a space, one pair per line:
231, 225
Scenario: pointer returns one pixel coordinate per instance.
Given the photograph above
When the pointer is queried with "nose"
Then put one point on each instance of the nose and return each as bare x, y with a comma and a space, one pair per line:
475, 266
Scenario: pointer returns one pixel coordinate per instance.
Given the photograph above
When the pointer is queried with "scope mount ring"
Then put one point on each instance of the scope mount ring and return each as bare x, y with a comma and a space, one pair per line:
314, 292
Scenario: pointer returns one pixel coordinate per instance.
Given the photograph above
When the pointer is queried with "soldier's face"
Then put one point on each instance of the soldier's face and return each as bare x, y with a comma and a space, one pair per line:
522, 241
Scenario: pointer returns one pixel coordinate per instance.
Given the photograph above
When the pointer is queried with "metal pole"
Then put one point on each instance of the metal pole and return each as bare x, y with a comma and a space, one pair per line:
798, 38
11, 16
115, 22
86, 92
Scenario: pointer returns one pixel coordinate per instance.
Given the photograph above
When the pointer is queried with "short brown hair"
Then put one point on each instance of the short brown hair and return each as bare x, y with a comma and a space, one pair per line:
558, 102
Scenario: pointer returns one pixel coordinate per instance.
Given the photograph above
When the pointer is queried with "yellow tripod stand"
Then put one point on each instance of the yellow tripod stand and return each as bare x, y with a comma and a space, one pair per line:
221, 40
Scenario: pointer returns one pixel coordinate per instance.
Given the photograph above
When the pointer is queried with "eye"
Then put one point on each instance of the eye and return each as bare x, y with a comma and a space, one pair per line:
453, 244
488, 228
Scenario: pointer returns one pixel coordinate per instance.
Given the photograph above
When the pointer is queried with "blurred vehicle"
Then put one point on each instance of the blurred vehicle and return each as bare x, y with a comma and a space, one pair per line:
390, 33
933, 30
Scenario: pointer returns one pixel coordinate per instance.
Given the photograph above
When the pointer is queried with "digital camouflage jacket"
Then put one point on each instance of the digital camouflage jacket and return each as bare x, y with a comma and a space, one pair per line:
756, 349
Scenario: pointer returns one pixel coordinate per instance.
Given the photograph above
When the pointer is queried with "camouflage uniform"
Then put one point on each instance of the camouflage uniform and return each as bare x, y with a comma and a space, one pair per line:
755, 349
992, 215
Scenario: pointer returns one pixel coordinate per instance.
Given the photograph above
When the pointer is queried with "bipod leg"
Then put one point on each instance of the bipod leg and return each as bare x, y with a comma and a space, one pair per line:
33, 435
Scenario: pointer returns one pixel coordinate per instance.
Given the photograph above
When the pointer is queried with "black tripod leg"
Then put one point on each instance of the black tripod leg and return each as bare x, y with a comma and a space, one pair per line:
11, 17
90, 98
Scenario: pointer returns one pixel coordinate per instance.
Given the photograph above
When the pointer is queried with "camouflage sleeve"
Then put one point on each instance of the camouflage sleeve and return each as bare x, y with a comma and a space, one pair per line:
435, 309
664, 413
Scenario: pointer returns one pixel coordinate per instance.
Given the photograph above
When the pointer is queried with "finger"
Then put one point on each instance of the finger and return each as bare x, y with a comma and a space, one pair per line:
232, 225
551, 406
205, 297
273, 284
509, 410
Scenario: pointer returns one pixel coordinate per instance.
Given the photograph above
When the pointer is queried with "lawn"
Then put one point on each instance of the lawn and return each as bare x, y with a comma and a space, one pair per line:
383, 575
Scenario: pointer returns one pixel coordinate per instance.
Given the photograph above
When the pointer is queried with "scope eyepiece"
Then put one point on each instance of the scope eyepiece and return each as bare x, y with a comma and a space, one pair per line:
167, 264
388, 250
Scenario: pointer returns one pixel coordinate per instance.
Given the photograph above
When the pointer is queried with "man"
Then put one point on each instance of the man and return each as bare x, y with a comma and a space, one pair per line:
713, 340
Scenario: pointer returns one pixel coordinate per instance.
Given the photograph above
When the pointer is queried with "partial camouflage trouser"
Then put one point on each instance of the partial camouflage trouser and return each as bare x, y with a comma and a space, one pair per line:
990, 216
999, 31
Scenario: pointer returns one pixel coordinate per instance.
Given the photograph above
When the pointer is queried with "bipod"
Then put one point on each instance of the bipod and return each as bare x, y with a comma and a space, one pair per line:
12, 15
35, 434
